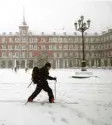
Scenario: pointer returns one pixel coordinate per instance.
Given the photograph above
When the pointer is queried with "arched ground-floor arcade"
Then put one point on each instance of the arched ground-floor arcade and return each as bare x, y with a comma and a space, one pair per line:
56, 63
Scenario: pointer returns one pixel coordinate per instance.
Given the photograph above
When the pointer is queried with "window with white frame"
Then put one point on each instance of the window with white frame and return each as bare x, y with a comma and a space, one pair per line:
54, 47
3, 46
86, 39
43, 47
3, 39
92, 54
111, 37
23, 54
50, 47
35, 39
3, 54
16, 39
65, 47
92, 40
76, 54
10, 54
92, 47
76, 47
35, 46
54, 39
60, 46
87, 47
55, 55
31, 47
23, 39
50, 39
30, 54
111, 53
60, 54
65, 54
9, 46
10, 40
16, 46
16, 54
23, 46
60, 39
71, 53
71, 46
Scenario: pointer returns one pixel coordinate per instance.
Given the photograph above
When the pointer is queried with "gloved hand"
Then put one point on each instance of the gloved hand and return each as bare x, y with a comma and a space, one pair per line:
55, 78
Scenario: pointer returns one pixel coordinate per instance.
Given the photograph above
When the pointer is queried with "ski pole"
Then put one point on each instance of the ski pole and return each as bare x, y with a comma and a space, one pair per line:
26, 102
55, 88
29, 84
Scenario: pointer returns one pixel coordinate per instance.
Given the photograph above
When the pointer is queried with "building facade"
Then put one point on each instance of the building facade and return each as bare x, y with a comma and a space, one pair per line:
23, 49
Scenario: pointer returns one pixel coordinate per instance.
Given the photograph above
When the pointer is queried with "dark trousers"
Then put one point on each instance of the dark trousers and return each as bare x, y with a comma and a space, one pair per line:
38, 89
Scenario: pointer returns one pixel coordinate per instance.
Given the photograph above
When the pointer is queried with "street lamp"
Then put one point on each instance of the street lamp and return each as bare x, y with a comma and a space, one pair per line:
81, 26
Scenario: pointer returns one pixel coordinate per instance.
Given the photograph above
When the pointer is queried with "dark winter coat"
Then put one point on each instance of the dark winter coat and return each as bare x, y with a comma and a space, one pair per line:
44, 75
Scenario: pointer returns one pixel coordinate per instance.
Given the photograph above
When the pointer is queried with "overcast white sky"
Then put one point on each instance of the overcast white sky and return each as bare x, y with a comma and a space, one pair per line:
54, 15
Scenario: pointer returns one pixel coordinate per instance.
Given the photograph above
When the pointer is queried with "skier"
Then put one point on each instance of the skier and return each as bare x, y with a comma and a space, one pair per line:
43, 84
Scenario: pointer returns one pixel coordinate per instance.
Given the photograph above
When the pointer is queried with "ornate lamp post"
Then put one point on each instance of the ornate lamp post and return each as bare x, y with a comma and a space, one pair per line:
81, 26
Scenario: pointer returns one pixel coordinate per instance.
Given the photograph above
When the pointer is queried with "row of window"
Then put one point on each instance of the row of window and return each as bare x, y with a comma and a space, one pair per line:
55, 47
17, 39
77, 54
16, 54
11, 47
58, 39
57, 54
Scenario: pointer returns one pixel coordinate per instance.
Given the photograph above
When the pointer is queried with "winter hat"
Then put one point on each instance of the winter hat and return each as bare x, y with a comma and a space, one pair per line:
48, 64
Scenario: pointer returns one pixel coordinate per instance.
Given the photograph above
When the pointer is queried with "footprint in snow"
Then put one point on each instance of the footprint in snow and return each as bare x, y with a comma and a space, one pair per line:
63, 106
64, 120
53, 119
50, 112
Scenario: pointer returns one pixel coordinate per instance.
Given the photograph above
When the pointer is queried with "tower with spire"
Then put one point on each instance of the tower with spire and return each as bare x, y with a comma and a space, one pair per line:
23, 29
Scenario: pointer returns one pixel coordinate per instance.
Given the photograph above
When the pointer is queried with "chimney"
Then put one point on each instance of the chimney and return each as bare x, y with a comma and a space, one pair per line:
85, 33
42, 33
54, 33
10, 33
75, 34
109, 30
64, 33
104, 32
30, 33
96, 34
17, 33
4, 33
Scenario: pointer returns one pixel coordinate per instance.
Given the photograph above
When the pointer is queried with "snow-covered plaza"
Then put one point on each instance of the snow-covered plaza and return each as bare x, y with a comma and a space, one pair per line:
78, 101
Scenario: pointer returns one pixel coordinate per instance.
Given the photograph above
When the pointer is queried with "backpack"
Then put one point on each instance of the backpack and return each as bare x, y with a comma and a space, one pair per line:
35, 75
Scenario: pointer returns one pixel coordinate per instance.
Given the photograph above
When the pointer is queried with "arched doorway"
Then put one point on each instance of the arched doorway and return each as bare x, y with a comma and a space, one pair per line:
99, 63
23, 64
54, 64
111, 62
10, 64
3, 64
70, 63
92, 62
105, 62
17, 63
30, 64
65, 63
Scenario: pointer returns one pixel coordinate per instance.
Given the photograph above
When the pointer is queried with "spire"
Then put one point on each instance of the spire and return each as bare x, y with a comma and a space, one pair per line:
24, 22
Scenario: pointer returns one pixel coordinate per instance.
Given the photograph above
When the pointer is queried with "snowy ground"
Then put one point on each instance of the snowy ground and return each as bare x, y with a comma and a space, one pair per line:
79, 101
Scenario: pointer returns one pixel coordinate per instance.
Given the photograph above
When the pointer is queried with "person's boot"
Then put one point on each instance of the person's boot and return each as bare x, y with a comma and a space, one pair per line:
51, 100
30, 100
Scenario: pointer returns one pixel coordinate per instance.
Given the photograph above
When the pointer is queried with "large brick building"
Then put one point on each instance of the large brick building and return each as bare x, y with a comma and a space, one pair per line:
25, 49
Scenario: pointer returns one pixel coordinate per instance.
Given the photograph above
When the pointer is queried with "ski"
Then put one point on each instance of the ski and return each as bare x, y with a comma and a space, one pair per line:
41, 102
46, 102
